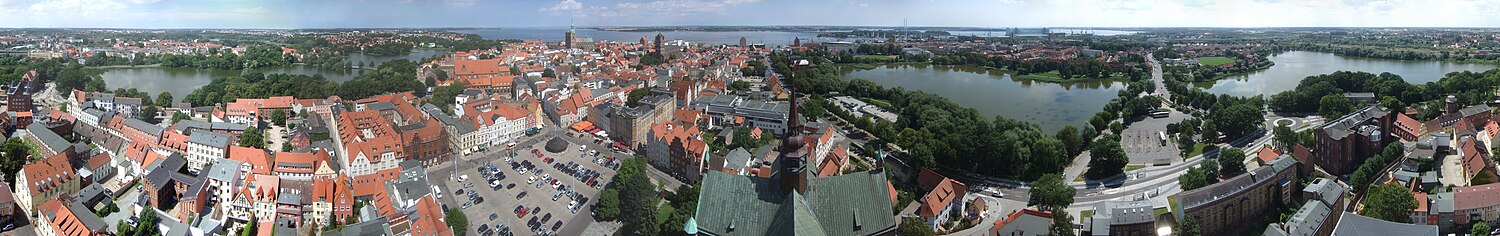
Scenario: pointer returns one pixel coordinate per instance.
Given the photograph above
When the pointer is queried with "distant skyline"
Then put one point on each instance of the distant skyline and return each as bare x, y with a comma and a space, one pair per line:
290, 14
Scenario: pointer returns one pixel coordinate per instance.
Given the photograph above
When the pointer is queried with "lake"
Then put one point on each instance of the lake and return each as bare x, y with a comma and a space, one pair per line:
554, 34
181, 81
1292, 67
993, 93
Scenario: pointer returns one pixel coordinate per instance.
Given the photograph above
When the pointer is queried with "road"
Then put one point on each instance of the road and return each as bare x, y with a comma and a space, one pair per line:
1156, 76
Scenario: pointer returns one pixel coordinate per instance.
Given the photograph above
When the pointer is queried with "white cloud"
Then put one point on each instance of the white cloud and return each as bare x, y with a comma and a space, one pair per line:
565, 5
144, 1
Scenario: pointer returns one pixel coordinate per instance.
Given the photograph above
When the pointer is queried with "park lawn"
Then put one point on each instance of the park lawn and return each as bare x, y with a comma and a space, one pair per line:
1197, 149
665, 213
1134, 167
1055, 77
1051, 76
1215, 61
883, 104
878, 57
1085, 214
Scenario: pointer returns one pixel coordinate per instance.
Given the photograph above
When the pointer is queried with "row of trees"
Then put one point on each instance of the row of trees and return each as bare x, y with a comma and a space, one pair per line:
391, 77
1323, 94
632, 199
255, 56
1375, 165
1230, 163
1080, 67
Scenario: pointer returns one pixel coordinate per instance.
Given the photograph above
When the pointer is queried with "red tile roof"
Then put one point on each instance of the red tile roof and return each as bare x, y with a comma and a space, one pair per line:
1266, 154
941, 197
47, 173
368, 133
1475, 197
258, 159
463, 68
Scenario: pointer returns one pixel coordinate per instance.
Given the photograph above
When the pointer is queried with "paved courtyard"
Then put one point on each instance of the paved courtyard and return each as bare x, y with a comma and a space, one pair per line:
1143, 143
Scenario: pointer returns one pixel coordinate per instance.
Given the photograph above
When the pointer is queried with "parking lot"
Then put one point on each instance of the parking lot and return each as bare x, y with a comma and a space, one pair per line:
1143, 142
545, 190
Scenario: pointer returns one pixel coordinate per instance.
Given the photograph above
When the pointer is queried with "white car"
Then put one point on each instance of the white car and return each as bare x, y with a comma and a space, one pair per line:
581, 148
530, 180
461, 178
995, 192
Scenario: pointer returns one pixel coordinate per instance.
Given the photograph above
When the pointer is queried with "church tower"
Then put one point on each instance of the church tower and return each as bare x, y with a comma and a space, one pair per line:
570, 36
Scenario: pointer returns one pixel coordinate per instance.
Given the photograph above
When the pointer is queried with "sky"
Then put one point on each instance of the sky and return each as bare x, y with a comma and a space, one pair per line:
598, 13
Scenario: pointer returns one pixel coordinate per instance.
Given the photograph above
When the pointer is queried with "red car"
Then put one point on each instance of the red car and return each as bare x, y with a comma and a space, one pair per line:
520, 212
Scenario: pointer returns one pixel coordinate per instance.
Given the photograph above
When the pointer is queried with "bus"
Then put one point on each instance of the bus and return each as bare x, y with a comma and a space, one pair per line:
1160, 114
1162, 137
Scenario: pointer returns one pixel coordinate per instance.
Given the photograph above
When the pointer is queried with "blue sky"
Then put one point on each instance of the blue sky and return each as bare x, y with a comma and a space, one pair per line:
534, 13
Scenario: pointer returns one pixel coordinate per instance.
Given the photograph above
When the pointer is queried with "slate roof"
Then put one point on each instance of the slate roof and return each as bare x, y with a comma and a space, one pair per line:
460, 126
1352, 122
1355, 225
1305, 222
210, 139
374, 227
49, 139
1326, 190
736, 159
1265, 174
833, 206
143, 126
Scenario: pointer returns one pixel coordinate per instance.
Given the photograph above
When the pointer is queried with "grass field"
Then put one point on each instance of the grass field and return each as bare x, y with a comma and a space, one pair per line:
1055, 77
880, 57
1197, 149
883, 104
1215, 61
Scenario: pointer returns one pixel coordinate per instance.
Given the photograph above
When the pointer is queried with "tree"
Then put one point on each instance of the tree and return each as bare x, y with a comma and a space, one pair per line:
915, 227
637, 198
149, 114
1235, 120
95, 85
278, 117
1393, 104
549, 73
1188, 227
739, 85
1233, 162
634, 98
1062, 224
179, 116
1284, 138
458, 221
1334, 106
609, 204
1051, 192
252, 138
1480, 228
1072, 140
1389, 202
147, 224
1192, 179
123, 229
1108, 159
164, 99
1210, 170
